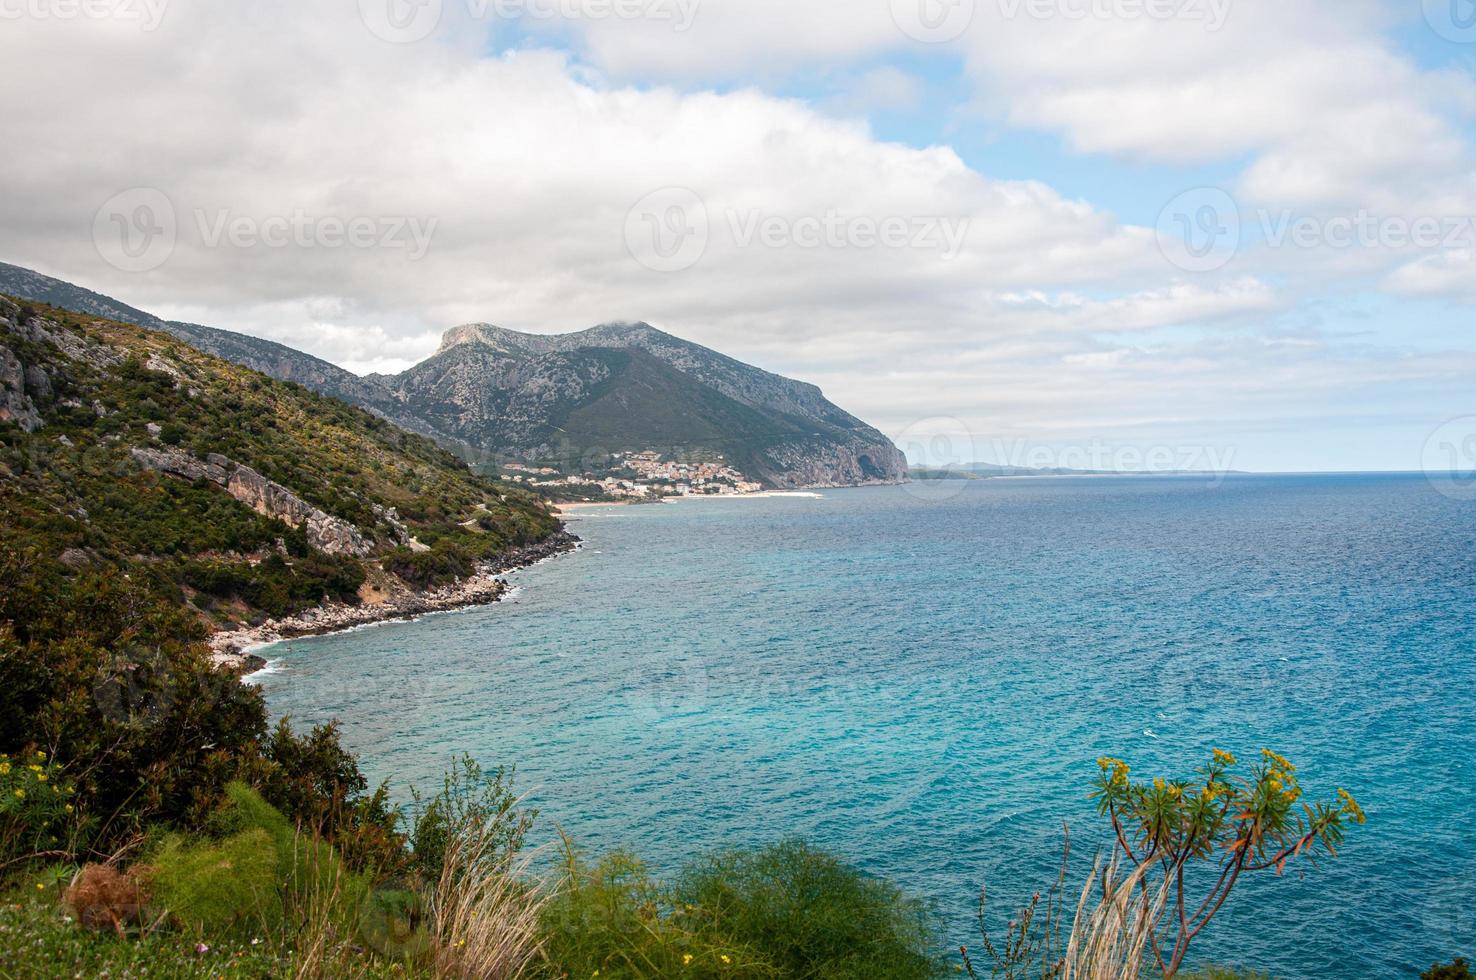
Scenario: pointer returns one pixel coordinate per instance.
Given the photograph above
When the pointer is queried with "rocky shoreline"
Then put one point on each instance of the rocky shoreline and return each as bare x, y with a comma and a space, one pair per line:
230, 649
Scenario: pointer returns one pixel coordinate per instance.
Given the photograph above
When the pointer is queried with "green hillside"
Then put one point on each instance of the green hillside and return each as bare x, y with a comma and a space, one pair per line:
102, 427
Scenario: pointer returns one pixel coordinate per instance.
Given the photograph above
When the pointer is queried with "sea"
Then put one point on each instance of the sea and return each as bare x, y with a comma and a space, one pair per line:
920, 678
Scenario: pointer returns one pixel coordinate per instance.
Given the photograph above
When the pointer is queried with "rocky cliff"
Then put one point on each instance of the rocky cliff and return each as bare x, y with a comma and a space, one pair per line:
328, 534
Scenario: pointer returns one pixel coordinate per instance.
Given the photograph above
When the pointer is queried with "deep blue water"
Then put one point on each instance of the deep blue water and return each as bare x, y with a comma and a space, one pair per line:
923, 684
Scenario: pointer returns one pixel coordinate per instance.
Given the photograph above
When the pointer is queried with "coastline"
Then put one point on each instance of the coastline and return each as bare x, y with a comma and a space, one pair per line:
235, 650
579, 505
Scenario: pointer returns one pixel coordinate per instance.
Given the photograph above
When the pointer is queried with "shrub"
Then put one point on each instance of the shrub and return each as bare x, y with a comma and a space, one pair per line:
614, 918
809, 914
1459, 970
787, 911
35, 806
308, 868
214, 889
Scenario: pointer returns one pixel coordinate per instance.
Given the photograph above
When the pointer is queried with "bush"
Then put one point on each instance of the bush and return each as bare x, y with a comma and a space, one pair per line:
214, 889
614, 919
35, 806
292, 873
1459, 970
810, 914
787, 911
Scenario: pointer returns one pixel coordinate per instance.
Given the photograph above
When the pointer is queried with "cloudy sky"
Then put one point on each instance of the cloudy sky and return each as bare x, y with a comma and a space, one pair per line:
1232, 232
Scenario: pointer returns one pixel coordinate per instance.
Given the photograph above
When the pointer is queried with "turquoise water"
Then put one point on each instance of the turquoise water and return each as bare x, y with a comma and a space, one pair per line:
922, 684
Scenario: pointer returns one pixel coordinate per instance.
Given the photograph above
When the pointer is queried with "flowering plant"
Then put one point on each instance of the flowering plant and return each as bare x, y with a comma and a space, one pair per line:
1236, 824
35, 803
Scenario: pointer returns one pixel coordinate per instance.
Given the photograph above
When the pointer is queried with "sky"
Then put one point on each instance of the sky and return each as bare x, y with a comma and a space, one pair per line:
1231, 234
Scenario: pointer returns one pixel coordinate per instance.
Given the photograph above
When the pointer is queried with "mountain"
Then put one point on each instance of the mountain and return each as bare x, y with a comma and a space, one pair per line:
491, 393
628, 388
125, 449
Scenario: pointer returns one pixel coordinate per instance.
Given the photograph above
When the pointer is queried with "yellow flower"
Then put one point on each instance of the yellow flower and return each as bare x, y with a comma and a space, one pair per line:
41, 756
725, 958
20, 794
42, 777
69, 808
686, 959
4, 768
1158, 784
40, 887
1224, 757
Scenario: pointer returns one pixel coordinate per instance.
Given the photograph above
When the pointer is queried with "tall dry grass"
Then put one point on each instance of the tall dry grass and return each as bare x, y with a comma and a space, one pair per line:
485, 909
1114, 924
1109, 937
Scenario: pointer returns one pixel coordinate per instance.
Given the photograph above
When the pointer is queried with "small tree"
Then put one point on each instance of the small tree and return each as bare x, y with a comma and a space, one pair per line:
1234, 824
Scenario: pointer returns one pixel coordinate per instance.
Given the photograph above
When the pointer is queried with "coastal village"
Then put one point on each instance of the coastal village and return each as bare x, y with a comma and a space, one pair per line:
648, 475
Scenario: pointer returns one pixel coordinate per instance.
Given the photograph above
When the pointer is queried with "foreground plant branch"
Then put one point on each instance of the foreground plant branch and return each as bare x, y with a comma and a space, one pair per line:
1235, 824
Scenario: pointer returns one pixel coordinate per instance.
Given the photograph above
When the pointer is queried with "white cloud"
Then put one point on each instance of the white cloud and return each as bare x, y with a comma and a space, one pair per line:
528, 166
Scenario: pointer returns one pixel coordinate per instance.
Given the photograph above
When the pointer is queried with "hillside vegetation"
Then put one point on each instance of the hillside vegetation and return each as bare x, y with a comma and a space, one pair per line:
218, 486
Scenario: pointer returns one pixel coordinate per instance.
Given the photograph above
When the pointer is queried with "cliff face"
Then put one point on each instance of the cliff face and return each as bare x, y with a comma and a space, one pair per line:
327, 533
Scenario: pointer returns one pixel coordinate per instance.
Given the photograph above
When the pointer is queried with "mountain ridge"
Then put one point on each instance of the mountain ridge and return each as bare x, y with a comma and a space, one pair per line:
492, 394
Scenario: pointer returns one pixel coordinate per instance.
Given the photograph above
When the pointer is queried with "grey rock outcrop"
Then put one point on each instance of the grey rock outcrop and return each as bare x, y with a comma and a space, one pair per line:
330, 535
15, 405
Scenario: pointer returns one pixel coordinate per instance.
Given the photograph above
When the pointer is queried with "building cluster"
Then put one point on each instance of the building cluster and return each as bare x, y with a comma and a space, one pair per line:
644, 476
